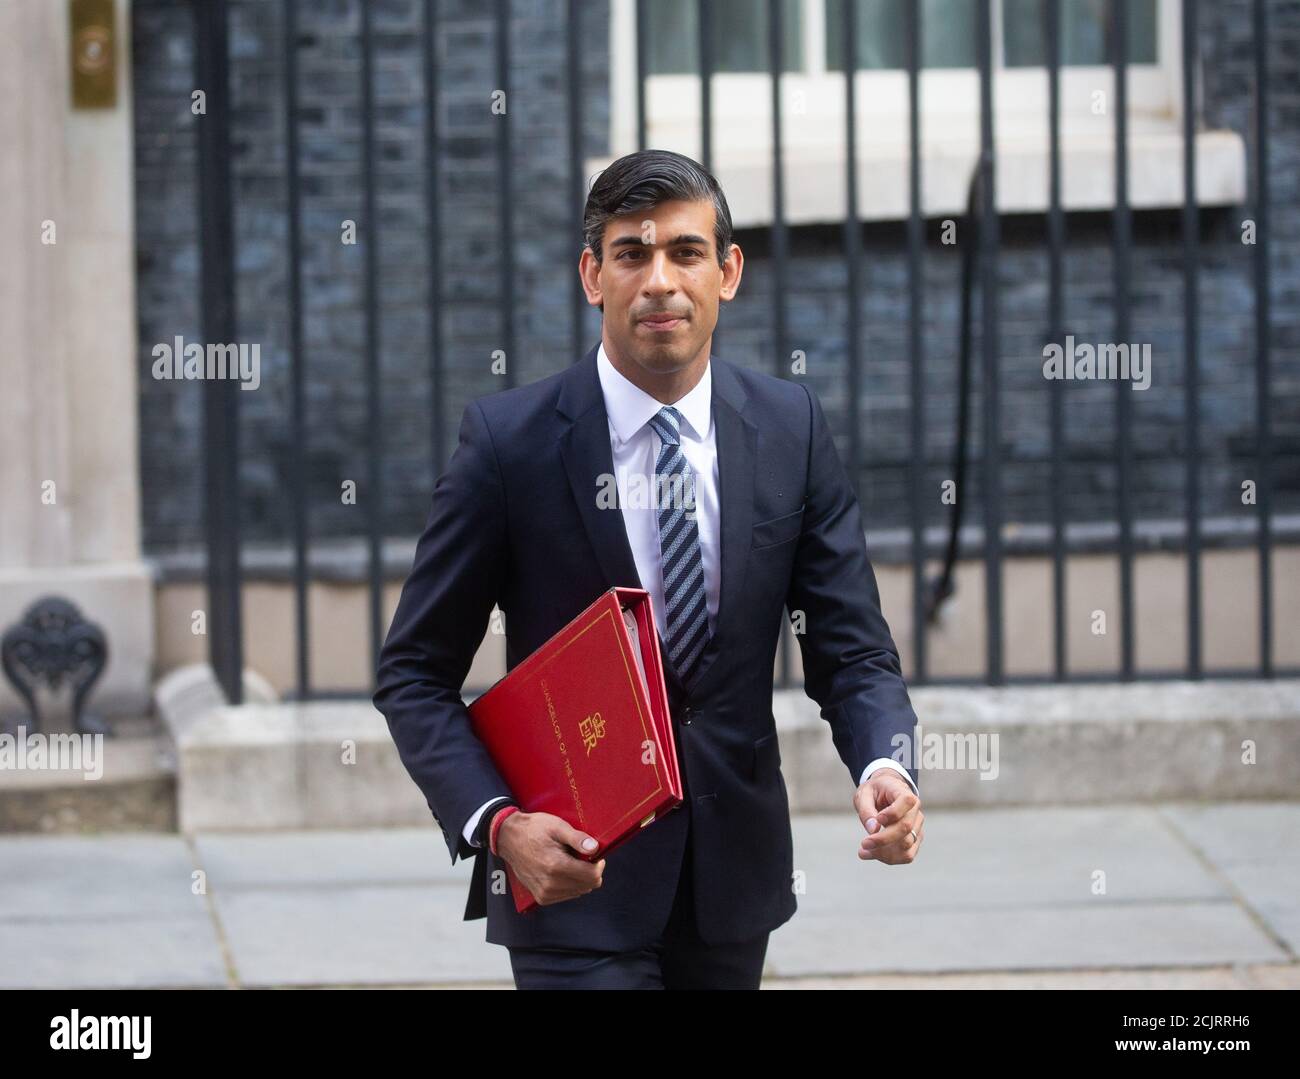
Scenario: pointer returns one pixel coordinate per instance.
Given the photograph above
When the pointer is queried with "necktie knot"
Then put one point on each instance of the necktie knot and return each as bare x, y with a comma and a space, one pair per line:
666, 423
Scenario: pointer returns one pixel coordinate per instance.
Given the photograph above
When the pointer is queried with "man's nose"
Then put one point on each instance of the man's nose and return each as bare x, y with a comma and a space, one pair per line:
660, 278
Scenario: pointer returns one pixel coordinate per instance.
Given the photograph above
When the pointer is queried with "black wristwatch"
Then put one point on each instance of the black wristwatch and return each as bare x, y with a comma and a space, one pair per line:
481, 832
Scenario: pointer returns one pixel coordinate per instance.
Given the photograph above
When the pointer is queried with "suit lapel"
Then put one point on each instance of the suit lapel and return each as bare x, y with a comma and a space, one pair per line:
587, 456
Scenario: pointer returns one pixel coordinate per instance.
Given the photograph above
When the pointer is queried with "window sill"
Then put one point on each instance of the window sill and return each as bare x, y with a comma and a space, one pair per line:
815, 189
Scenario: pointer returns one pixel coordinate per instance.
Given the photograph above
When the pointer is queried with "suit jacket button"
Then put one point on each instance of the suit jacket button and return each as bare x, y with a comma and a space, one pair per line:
687, 715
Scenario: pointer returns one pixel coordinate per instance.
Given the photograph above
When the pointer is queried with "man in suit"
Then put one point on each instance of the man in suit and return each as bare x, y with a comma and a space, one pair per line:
768, 521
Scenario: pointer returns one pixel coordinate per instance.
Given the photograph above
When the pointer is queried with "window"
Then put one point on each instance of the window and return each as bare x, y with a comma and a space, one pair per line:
813, 103
1085, 32
740, 34
739, 37
948, 39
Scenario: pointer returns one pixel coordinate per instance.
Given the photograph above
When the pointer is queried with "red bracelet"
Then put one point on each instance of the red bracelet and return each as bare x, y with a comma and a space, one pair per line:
501, 815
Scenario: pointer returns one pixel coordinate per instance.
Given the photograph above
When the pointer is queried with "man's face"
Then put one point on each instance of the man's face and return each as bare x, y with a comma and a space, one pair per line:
661, 283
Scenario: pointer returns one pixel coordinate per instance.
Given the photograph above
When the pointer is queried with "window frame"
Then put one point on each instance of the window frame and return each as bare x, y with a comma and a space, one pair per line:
813, 133
813, 100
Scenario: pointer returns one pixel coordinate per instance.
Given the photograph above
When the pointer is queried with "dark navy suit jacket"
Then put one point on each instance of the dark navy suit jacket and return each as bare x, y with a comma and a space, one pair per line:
515, 523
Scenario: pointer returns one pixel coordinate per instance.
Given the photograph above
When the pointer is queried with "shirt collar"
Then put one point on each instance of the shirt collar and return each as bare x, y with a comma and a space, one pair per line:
630, 408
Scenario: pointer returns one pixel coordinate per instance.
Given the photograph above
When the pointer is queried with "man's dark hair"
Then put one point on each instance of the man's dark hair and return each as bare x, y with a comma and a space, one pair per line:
643, 180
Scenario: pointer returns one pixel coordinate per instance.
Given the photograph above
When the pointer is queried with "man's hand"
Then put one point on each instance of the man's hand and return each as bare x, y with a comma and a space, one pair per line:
891, 813
540, 848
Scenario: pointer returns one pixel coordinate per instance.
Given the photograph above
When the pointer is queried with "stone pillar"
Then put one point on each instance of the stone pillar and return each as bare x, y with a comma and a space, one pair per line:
69, 467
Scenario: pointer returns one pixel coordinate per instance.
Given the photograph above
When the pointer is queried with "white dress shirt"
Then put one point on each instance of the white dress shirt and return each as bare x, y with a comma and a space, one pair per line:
635, 450
635, 447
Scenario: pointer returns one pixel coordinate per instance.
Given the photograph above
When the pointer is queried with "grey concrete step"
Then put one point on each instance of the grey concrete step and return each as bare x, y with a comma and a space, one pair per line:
122, 782
269, 765
1073, 744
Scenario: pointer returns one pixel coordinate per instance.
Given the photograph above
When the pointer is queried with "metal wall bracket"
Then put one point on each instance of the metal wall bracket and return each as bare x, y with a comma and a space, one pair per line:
54, 645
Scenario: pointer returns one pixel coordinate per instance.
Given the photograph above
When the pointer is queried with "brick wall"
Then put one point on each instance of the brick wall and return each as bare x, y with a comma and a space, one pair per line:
545, 256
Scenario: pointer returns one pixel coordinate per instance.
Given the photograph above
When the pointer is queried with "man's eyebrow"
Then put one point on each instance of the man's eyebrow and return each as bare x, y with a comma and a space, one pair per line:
684, 238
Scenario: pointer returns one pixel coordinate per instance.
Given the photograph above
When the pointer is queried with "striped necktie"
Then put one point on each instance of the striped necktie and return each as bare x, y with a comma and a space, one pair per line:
686, 612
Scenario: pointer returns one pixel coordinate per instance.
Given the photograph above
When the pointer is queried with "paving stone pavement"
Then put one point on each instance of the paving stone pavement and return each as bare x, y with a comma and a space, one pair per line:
1161, 896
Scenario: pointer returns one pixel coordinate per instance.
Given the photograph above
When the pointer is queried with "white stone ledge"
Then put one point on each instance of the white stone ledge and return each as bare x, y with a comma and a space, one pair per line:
815, 189
277, 766
1085, 744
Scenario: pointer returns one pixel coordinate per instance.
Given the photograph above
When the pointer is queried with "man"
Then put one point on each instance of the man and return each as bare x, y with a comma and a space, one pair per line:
769, 521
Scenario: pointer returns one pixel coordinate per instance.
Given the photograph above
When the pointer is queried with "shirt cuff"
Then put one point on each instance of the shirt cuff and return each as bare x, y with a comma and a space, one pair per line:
886, 762
473, 821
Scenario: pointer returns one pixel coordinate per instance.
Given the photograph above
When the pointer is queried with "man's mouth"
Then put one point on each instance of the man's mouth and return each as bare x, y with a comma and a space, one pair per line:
662, 322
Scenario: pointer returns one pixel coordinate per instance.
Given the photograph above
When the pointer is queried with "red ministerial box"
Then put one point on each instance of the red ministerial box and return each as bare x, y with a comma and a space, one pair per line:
581, 728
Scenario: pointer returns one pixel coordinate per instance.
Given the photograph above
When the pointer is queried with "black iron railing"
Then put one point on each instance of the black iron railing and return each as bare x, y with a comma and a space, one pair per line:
221, 399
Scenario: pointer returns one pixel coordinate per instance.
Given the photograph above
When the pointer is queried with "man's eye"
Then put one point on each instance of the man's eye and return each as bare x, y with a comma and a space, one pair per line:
681, 251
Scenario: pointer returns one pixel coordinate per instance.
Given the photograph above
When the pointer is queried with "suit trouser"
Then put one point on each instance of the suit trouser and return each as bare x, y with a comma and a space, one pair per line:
679, 959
